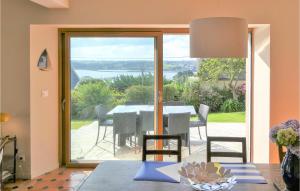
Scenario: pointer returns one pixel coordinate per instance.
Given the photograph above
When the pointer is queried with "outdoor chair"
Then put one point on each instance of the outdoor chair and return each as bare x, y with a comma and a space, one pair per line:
202, 119
162, 152
101, 112
178, 124
146, 124
124, 125
211, 153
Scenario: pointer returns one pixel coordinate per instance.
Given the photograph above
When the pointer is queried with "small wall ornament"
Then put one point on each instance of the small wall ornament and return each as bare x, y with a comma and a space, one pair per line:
43, 62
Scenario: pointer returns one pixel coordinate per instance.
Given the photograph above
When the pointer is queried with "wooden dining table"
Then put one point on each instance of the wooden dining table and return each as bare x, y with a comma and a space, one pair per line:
119, 176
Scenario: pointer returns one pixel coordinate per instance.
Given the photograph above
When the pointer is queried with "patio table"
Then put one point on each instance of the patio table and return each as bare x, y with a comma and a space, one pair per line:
166, 109
118, 175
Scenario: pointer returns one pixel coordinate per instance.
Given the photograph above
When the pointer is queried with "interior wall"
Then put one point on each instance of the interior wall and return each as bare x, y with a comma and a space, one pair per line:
44, 101
261, 94
284, 51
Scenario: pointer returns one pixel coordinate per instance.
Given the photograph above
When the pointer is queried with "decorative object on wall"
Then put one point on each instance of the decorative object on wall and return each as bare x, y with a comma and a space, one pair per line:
43, 61
218, 37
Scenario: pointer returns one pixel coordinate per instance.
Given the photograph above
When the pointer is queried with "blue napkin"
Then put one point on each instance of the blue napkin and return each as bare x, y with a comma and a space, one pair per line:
148, 172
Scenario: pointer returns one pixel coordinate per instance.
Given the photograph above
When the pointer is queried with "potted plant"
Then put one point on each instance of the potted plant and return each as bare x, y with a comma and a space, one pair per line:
287, 134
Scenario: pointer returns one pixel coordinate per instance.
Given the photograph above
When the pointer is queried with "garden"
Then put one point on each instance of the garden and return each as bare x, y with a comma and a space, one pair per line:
218, 83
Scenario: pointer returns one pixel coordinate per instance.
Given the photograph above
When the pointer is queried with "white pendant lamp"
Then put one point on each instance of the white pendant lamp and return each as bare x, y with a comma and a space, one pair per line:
219, 37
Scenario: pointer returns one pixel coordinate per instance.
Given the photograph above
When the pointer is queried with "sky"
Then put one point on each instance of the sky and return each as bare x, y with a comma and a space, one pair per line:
176, 47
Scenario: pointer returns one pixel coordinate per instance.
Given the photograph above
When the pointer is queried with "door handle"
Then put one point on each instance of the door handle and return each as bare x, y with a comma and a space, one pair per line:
63, 103
160, 97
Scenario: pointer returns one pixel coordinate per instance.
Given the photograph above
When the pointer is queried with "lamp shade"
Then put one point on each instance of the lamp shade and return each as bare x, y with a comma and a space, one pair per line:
4, 117
219, 37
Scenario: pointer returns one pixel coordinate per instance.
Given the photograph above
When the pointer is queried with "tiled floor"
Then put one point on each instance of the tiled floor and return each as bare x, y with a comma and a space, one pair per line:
58, 180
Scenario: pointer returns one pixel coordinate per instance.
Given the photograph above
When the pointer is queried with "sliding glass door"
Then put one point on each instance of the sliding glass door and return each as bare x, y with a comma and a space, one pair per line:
110, 98
119, 85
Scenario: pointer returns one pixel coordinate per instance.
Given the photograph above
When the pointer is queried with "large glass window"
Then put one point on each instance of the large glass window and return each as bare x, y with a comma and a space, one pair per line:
112, 80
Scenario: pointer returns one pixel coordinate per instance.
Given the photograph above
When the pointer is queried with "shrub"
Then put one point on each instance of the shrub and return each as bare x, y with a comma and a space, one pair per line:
196, 92
171, 92
87, 95
231, 105
140, 94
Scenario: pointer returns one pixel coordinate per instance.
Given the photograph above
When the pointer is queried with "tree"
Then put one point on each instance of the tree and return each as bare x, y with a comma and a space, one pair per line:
214, 69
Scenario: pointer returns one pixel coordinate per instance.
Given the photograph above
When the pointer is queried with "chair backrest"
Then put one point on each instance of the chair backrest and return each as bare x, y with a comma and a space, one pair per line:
174, 103
162, 152
203, 112
124, 123
147, 120
178, 123
101, 112
211, 154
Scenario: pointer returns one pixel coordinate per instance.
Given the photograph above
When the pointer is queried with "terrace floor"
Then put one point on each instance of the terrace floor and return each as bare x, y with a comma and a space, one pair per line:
84, 148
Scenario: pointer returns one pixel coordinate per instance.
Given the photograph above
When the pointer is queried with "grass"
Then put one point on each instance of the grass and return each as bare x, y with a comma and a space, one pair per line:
235, 117
76, 124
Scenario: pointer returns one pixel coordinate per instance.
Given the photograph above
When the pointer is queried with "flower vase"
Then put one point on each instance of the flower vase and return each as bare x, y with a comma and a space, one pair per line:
290, 171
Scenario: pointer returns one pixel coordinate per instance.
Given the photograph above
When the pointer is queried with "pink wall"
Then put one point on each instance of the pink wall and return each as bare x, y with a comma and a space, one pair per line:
43, 108
18, 15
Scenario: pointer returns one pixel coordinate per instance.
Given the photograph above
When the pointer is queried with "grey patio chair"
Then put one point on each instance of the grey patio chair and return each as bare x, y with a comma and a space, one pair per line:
146, 124
124, 125
202, 119
146, 121
101, 112
178, 124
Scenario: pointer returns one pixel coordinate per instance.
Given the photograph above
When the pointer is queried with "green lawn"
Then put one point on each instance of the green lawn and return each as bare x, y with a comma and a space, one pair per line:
76, 124
235, 117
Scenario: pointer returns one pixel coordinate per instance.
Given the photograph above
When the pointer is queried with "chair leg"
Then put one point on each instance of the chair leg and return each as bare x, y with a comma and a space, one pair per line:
104, 133
98, 135
130, 139
206, 130
134, 143
169, 146
199, 132
189, 139
114, 143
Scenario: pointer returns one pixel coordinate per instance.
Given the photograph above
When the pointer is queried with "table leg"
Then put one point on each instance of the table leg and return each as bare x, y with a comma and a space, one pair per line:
122, 140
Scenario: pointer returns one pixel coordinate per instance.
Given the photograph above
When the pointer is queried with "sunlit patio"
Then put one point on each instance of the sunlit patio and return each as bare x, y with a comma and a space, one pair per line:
84, 147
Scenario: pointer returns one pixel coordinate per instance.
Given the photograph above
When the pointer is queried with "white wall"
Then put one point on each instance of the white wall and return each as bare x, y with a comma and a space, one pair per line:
261, 94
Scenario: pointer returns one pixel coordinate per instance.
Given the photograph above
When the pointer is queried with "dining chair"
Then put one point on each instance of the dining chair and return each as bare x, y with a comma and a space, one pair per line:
178, 124
124, 124
101, 112
161, 152
202, 119
211, 153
